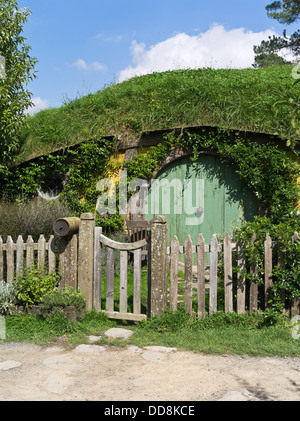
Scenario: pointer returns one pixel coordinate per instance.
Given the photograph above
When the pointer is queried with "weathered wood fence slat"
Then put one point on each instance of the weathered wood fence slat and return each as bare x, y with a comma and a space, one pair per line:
207, 278
16, 256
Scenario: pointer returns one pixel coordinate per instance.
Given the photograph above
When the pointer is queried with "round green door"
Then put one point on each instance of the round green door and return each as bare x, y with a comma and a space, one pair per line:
203, 196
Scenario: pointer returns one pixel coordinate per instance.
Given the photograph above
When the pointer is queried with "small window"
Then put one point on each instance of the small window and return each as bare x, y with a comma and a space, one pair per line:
51, 187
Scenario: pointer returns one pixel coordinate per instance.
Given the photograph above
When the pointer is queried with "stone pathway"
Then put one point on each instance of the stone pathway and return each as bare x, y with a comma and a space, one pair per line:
151, 373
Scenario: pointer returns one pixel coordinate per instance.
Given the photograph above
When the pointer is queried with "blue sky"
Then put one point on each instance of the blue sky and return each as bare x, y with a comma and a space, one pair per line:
82, 46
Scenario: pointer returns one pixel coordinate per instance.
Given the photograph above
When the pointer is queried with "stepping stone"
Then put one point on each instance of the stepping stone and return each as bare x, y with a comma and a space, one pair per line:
58, 382
89, 348
93, 339
167, 350
153, 356
117, 332
133, 348
8, 365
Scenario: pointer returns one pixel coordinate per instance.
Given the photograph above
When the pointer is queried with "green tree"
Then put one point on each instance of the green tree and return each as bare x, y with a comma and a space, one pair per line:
17, 69
268, 59
286, 12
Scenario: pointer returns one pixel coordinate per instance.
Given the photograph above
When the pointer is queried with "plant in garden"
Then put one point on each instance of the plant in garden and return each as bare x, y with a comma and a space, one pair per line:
286, 257
33, 285
7, 297
60, 298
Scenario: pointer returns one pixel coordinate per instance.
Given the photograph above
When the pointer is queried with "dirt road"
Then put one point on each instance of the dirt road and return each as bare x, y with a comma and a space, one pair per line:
95, 373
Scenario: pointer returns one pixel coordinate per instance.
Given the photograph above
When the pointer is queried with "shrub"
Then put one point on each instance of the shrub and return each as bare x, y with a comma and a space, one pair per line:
285, 253
7, 298
31, 287
30, 218
61, 298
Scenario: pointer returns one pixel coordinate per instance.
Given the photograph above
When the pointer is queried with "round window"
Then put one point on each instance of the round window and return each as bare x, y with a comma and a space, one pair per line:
51, 187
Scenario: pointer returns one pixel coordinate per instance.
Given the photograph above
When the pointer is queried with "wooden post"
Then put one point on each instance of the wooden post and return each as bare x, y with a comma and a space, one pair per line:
20, 256
295, 302
253, 299
188, 275
110, 279
51, 254
137, 262
41, 252
213, 275
241, 280
97, 270
86, 257
268, 268
10, 259
157, 267
201, 275
123, 280
29, 252
68, 261
174, 274
228, 275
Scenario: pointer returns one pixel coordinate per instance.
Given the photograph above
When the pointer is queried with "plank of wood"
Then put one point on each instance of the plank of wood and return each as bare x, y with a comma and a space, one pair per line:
51, 254
20, 256
126, 316
10, 259
213, 275
29, 252
110, 279
137, 261
97, 269
201, 275
122, 246
188, 274
253, 298
41, 252
228, 275
268, 268
174, 273
123, 280
241, 281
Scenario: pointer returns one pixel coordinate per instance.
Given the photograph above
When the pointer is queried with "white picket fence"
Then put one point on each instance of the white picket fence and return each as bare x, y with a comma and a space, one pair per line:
15, 256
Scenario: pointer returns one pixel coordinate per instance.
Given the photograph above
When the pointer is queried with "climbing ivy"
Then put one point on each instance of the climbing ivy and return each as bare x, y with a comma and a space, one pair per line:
266, 169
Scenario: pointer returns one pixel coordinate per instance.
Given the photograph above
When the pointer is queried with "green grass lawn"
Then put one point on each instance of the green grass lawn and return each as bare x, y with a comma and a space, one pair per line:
219, 334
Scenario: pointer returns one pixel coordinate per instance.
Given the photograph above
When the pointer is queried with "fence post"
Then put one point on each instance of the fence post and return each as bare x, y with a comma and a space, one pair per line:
86, 257
157, 267
68, 261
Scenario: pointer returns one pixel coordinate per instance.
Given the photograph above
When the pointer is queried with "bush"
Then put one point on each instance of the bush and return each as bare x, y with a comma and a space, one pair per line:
31, 287
60, 298
7, 297
286, 257
30, 218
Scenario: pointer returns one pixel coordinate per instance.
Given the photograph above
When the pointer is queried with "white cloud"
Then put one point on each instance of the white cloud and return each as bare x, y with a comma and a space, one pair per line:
82, 65
97, 66
39, 104
217, 47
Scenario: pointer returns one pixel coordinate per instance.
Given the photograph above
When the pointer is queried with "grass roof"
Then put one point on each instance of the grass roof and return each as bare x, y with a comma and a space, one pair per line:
240, 99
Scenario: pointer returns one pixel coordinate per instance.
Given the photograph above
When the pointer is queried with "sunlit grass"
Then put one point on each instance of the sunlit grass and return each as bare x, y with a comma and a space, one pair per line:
229, 98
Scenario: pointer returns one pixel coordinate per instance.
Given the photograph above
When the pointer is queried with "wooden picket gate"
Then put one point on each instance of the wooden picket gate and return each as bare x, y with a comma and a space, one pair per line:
125, 249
